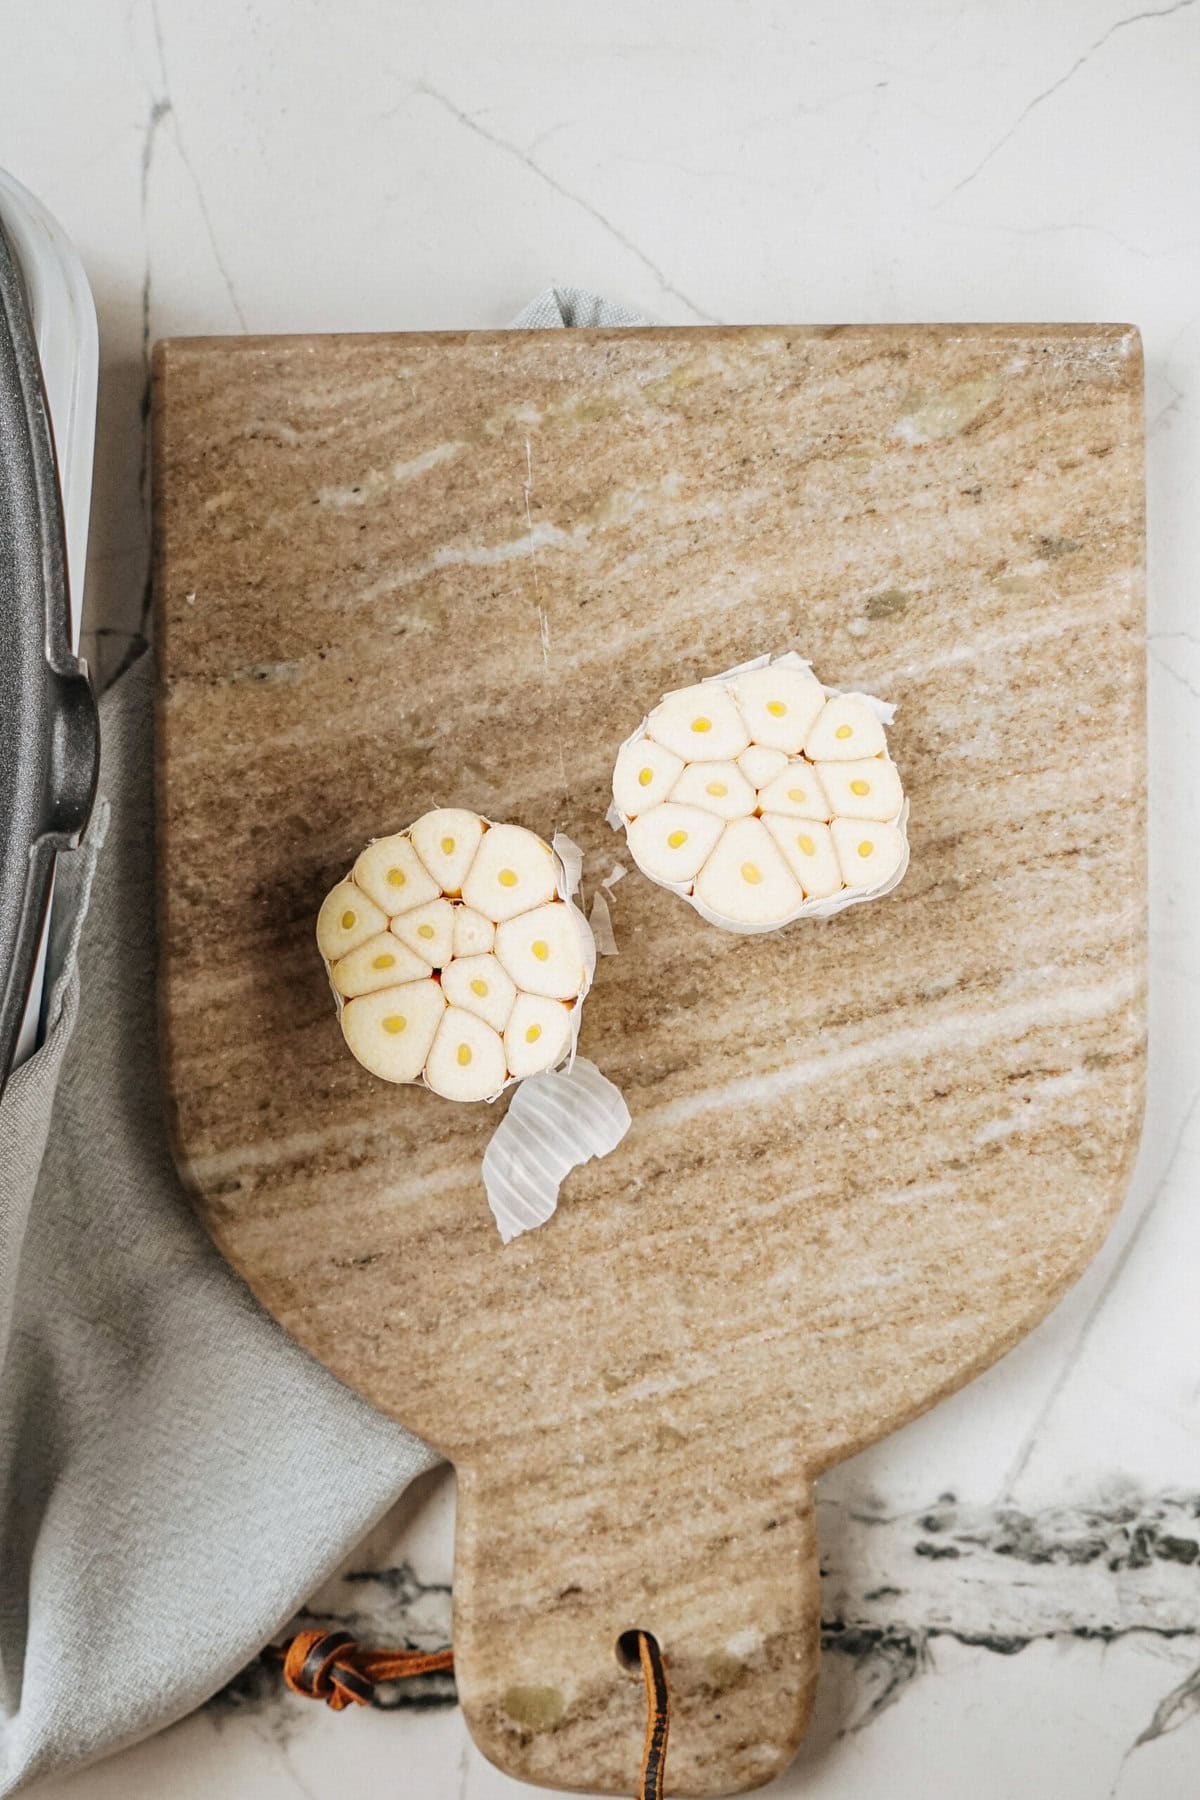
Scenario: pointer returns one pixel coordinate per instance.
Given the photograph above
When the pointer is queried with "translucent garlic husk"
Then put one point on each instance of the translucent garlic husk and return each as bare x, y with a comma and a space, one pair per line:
822, 908
567, 864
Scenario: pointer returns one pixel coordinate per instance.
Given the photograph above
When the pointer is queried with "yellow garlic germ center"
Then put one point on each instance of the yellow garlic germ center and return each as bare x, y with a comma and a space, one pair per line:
464, 1055
541, 949
507, 878
394, 1023
844, 731
348, 921
645, 777
533, 1034
425, 931
383, 962
776, 708
397, 877
677, 839
806, 844
717, 789
860, 787
479, 987
866, 847
447, 846
701, 724
751, 873
796, 794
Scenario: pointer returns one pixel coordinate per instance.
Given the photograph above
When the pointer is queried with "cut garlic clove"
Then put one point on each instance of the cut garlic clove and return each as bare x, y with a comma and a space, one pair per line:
446, 842
718, 788
869, 852
473, 934
379, 963
643, 776
429, 930
390, 1031
746, 880
672, 842
869, 789
537, 1035
513, 871
392, 873
846, 730
780, 705
541, 951
797, 792
481, 985
467, 1058
348, 917
761, 765
808, 849
700, 724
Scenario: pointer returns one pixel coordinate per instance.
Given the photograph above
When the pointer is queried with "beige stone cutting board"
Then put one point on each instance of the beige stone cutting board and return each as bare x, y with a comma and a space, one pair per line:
867, 1154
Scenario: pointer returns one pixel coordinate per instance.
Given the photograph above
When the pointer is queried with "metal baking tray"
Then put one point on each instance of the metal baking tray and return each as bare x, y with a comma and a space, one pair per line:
49, 737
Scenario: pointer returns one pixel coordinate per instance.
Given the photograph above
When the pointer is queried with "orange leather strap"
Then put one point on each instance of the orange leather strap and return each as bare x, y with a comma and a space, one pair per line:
331, 1666
658, 1717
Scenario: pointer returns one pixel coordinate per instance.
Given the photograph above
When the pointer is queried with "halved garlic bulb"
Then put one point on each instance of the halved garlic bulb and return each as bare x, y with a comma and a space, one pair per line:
761, 797
456, 955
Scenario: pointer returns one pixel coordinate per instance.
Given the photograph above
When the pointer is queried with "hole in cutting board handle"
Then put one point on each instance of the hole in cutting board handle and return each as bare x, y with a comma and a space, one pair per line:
628, 1654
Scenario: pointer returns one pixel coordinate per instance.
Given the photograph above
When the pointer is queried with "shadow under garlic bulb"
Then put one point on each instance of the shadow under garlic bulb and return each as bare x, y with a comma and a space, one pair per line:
762, 797
456, 955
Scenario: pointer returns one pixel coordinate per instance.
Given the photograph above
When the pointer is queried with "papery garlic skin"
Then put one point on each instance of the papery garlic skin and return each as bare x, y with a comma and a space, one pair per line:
457, 957
761, 796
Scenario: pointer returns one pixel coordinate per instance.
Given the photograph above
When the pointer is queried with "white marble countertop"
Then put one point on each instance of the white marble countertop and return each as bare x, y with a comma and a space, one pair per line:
1027, 1552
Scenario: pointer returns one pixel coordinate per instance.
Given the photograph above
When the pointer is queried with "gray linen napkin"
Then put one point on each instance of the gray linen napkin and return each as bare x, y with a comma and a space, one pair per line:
176, 1475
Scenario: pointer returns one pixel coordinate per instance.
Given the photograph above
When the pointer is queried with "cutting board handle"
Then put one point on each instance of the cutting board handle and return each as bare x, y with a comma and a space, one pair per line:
547, 1582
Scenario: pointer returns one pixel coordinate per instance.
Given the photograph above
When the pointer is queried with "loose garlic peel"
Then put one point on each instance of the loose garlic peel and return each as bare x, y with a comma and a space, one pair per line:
457, 956
761, 796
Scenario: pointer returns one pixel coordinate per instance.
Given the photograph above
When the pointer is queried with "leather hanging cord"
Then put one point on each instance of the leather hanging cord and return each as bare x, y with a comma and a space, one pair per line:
331, 1666
658, 1717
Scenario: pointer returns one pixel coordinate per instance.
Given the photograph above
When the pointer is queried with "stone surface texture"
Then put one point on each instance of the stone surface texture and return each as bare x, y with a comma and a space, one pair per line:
867, 1154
